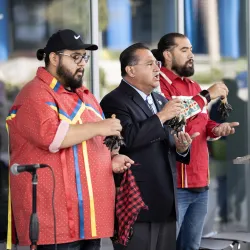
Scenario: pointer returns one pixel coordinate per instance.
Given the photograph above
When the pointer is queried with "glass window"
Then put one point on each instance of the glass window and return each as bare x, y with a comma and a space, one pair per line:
35, 21
131, 21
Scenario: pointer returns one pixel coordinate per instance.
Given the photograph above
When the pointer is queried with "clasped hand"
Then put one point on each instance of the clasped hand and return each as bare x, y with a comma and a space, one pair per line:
121, 163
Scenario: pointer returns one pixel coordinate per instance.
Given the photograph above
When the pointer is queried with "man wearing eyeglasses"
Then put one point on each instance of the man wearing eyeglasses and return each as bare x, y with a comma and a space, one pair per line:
151, 144
55, 120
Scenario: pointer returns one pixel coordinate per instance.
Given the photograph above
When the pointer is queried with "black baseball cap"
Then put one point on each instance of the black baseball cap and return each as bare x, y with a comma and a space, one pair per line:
64, 39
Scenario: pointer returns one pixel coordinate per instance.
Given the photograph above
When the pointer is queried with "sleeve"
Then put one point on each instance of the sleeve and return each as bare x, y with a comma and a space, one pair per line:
37, 121
210, 126
185, 158
136, 134
191, 107
199, 99
61, 132
183, 154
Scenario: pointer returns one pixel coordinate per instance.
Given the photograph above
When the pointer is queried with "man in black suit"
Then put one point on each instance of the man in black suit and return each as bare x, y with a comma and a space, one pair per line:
150, 143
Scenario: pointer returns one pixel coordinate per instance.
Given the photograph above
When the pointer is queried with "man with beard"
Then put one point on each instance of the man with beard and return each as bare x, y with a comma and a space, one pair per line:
57, 121
175, 52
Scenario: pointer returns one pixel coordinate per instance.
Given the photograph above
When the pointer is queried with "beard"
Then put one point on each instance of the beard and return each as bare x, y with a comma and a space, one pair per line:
72, 81
184, 70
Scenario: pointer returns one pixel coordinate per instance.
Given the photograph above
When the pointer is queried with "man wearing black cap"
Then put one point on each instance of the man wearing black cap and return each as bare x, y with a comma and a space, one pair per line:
57, 121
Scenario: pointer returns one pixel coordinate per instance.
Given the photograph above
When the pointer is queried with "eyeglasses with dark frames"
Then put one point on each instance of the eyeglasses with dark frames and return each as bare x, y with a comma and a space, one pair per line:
76, 57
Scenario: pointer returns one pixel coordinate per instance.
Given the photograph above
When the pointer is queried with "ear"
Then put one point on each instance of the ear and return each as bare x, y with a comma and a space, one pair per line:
130, 71
54, 59
167, 55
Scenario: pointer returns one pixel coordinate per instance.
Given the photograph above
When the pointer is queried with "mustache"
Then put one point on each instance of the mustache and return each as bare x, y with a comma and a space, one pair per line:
79, 71
190, 61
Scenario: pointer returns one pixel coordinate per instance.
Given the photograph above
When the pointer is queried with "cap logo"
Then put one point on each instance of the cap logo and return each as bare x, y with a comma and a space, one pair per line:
76, 37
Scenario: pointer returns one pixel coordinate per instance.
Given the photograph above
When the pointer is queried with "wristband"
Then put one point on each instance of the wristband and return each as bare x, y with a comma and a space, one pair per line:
206, 94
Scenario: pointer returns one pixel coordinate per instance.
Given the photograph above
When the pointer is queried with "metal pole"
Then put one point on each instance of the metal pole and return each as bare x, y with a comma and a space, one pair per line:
180, 16
34, 222
94, 54
247, 167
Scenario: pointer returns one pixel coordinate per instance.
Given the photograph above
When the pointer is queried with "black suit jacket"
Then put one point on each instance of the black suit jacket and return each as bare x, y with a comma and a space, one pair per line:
150, 144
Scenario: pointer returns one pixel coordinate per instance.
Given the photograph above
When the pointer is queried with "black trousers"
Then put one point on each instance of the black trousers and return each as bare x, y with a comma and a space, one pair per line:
77, 245
152, 236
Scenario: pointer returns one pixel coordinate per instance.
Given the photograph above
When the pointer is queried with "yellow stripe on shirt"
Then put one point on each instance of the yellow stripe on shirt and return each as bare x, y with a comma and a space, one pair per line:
53, 83
78, 114
90, 188
93, 110
9, 227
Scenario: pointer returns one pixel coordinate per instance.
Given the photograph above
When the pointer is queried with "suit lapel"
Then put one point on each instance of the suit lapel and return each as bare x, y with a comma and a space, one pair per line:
158, 103
142, 104
136, 98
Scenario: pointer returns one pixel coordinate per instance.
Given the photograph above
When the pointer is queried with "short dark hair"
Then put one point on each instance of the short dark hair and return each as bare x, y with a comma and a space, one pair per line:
128, 57
167, 42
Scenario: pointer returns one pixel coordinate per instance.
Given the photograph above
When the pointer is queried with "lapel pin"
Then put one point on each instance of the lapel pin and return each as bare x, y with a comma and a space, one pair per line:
159, 102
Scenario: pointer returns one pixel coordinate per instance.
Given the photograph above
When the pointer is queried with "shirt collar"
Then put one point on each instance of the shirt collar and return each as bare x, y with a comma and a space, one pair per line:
142, 94
170, 74
54, 84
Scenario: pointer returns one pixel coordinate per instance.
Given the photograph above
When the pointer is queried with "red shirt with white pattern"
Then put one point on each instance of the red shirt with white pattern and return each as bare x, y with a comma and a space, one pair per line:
196, 174
85, 192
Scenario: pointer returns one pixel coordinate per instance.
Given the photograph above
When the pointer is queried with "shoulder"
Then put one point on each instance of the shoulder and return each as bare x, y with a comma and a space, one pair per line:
194, 84
111, 101
114, 102
34, 90
115, 95
35, 97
